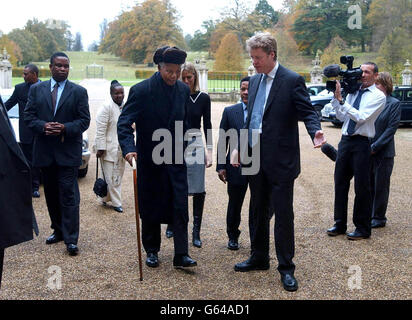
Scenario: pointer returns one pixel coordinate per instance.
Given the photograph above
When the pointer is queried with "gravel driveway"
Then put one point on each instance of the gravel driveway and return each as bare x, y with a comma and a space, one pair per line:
326, 268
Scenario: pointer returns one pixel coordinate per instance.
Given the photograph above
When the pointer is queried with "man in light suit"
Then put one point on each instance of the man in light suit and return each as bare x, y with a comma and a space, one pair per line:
278, 99
57, 112
20, 94
234, 117
383, 151
16, 214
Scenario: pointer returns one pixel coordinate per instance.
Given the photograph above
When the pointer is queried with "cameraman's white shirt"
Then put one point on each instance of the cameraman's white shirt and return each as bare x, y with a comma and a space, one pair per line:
372, 104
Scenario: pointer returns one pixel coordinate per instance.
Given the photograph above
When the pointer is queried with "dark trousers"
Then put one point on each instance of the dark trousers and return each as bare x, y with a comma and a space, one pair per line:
267, 198
1, 264
35, 172
381, 171
353, 161
236, 195
151, 236
63, 198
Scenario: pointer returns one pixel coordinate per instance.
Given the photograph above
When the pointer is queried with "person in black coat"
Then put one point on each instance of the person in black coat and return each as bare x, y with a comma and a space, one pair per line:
16, 214
383, 150
234, 117
20, 95
278, 99
57, 112
158, 107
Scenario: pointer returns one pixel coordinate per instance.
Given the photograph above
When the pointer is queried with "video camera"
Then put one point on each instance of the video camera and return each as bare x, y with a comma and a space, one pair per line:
350, 76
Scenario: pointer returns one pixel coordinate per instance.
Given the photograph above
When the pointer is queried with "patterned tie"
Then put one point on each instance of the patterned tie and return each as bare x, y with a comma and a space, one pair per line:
257, 111
356, 104
54, 97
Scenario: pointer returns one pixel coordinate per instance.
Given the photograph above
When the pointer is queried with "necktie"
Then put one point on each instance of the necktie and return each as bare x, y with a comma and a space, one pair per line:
257, 111
54, 97
356, 104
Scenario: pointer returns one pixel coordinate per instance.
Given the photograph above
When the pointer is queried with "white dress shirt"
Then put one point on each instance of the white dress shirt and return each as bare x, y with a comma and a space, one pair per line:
269, 81
371, 105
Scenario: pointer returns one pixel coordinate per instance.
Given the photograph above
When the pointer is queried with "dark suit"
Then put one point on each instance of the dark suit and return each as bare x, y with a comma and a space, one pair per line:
163, 190
15, 191
232, 118
59, 157
272, 187
20, 96
383, 144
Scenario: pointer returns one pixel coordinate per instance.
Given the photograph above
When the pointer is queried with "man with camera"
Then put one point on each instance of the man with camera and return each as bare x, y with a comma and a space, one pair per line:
358, 112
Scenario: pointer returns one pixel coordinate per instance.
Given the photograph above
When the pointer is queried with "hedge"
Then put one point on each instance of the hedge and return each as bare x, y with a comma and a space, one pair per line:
143, 74
18, 72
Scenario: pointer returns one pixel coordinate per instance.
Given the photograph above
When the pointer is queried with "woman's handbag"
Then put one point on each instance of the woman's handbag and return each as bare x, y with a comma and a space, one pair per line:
100, 185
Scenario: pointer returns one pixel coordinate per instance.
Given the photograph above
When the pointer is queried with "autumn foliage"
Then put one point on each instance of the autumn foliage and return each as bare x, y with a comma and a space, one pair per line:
229, 56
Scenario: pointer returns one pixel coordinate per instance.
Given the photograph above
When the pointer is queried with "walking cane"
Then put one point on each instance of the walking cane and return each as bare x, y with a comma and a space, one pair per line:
136, 206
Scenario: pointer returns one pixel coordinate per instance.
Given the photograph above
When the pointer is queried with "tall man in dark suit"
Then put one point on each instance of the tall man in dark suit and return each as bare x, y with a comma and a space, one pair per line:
57, 112
383, 151
233, 118
158, 107
278, 99
16, 214
20, 95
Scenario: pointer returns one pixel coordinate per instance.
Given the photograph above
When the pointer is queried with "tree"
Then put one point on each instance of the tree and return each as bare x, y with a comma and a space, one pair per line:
78, 45
268, 16
333, 52
28, 43
12, 49
229, 56
394, 51
93, 47
136, 34
288, 52
104, 26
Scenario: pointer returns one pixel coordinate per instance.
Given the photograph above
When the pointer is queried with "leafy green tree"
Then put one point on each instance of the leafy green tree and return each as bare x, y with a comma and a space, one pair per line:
78, 45
268, 16
333, 52
28, 43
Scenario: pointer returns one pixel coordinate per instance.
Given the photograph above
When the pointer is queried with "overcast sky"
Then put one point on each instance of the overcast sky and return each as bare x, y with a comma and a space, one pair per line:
85, 16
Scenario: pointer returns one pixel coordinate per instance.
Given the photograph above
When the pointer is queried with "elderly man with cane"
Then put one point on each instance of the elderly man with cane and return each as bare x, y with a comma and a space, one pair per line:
158, 106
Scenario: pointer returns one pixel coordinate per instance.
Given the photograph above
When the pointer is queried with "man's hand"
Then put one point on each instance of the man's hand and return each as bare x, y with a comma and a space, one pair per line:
100, 153
319, 140
53, 129
338, 95
235, 158
129, 158
222, 175
209, 158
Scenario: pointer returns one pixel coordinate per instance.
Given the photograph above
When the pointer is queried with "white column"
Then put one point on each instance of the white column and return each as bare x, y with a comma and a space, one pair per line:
407, 74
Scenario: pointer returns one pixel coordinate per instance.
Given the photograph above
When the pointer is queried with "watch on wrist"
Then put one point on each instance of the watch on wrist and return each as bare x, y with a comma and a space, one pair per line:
341, 102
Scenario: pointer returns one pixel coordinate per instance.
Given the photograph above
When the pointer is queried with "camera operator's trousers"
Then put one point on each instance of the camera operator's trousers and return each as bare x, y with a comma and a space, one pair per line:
353, 160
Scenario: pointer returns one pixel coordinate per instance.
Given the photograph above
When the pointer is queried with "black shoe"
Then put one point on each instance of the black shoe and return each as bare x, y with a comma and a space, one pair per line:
54, 239
356, 235
118, 209
152, 260
183, 261
335, 231
252, 264
196, 239
72, 249
36, 194
233, 244
289, 282
169, 232
378, 223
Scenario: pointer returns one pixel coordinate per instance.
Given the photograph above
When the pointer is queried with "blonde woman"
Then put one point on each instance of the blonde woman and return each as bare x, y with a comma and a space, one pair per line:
199, 109
107, 146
